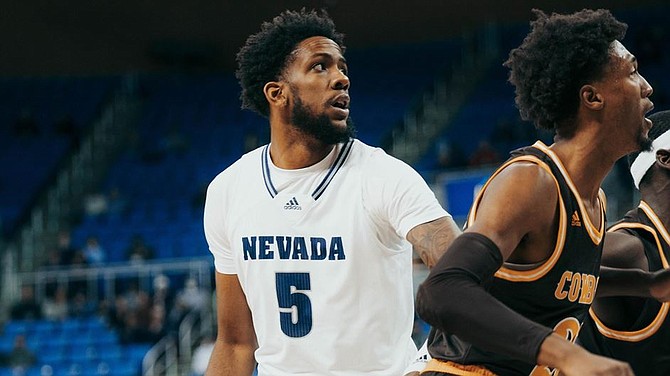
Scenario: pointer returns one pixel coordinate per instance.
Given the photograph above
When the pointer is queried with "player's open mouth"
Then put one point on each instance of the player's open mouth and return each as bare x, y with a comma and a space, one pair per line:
341, 105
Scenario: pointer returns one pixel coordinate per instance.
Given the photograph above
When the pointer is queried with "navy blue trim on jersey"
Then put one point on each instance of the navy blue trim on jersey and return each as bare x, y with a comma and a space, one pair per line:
334, 168
344, 153
266, 171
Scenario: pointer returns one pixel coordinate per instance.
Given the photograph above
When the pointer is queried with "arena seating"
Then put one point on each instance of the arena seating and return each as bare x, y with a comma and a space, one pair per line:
30, 153
74, 347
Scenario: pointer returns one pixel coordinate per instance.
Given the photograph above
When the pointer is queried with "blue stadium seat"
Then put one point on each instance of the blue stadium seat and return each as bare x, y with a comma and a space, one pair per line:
83, 353
52, 356
6, 344
12, 328
110, 354
41, 327
123, 369
134, 353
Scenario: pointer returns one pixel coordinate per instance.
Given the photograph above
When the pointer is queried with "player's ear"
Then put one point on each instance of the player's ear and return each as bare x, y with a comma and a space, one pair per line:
663, 158
590, 97
275, 93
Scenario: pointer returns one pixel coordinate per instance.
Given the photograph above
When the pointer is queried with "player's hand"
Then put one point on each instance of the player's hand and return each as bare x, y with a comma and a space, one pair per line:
585, 363
660, 286
574, 360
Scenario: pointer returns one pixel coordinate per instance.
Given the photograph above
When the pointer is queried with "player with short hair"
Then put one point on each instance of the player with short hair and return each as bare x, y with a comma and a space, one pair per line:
633, 329
509, 296
312, 234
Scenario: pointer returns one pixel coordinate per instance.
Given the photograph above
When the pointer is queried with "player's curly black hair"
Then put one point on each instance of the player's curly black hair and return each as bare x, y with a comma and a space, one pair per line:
560, 55
266, 53
661, 125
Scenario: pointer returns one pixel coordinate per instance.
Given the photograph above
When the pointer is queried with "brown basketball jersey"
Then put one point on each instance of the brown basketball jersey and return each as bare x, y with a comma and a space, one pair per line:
556, 292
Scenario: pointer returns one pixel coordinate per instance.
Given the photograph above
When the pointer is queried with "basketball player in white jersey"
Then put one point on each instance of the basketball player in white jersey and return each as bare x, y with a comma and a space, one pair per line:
312, 234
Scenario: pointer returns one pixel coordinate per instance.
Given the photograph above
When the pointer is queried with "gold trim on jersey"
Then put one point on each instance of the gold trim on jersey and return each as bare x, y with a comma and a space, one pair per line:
659, 225
451, 368
536, 272
655, 325
596, 232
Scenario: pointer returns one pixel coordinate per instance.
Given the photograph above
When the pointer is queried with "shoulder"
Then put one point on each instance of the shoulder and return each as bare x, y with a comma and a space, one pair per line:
524, 193
377, 162
529, 180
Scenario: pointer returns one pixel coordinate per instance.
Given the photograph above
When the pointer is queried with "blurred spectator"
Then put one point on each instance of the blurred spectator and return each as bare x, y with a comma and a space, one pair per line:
192, 296
140, 302
103, 205
21, 357
201, 356
56, 307
81, 305
135, 317
27, 307
162, 294
94, 254
96, 205
136, 298
25, 125
54, 259
64, 247
145, 324
156, 327
138, 250
78, 261
448, 155
133, 331
484, 155
117, 205
117, 312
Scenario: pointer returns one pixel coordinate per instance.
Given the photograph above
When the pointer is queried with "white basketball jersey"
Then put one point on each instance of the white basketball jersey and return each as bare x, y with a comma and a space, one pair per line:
321, 255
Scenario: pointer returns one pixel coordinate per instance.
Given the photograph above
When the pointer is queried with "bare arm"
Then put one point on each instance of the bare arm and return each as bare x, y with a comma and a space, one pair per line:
233, 353
625, 270
431, 239
622, 267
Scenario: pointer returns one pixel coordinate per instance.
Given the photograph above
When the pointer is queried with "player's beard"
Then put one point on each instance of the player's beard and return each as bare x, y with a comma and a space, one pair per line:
320, 127
644, 142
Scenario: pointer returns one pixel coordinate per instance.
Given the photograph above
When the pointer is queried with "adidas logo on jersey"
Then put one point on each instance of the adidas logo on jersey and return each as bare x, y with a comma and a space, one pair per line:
292, 205
575, 220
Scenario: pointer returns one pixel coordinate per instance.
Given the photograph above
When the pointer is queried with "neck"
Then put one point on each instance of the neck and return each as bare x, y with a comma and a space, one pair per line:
585, 164
297, 151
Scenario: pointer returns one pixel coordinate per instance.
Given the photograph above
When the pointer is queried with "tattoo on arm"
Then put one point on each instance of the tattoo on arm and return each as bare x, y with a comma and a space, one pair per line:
431, 239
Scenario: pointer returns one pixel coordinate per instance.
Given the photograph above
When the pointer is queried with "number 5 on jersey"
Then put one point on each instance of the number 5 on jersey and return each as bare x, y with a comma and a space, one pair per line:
295, 308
